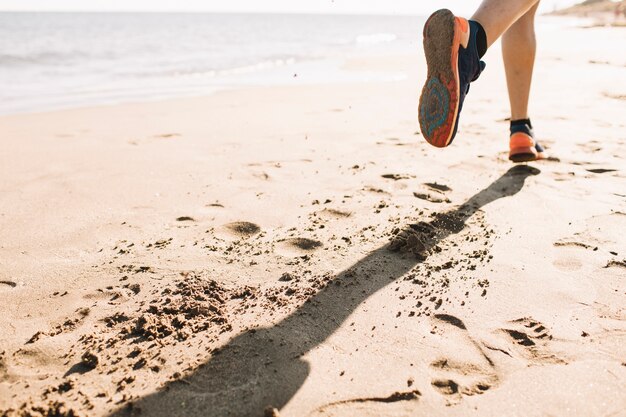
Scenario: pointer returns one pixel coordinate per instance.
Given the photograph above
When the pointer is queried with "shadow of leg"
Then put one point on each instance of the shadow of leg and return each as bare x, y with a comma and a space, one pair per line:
262, 368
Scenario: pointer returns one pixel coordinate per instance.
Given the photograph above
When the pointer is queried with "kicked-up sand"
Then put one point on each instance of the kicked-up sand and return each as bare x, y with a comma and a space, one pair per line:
301, 251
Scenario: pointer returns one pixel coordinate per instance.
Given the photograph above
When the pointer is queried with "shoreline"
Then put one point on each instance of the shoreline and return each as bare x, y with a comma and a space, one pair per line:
336, 70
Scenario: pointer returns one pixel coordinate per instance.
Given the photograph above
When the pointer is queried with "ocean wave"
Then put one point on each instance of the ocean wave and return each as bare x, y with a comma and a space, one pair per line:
376, 38
210, 73
259, 66
40, 58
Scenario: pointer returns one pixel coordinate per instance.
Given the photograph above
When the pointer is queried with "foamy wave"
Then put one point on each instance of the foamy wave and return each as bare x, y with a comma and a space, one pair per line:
211, 73
38, 58
376, 38
258, 66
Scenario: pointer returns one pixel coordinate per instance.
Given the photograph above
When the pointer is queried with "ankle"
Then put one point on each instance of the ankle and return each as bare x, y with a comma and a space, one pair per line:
521, 125
481, 37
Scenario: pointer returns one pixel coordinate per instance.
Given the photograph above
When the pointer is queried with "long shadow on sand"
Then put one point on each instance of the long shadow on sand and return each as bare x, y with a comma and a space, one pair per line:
260, 368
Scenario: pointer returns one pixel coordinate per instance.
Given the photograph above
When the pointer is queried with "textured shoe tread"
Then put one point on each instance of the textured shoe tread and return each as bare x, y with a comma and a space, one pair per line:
441, 88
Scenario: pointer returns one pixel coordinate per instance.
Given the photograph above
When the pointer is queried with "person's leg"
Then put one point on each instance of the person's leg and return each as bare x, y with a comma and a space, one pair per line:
453, 47
518, 51
496, 16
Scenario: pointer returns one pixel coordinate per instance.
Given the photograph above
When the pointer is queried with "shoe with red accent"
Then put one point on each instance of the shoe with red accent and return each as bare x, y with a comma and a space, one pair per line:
453, 63
522, 144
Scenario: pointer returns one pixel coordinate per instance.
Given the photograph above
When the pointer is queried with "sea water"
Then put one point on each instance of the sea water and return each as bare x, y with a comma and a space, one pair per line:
60, 60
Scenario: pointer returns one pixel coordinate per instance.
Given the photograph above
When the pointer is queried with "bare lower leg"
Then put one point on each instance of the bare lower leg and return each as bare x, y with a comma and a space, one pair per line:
518, 50
496, 16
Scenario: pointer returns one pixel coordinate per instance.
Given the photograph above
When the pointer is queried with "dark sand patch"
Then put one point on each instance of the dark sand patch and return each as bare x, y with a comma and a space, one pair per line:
601, 170
298, 246
397, 177
185, 219
243, 228
575, 244
431, 198
437, 187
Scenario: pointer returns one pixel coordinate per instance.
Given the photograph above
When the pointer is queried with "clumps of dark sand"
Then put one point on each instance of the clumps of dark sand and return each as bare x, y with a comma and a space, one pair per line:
410, 241
160, 244
285, 277
89, 360
49, 409
614, 263
452, 222
135, 269
192, 306
143, 339
244, 293
450, 248
297, 291
421, 239
116, 319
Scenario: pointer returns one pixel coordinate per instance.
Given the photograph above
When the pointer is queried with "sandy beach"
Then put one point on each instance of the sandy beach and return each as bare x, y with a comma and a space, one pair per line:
302, 251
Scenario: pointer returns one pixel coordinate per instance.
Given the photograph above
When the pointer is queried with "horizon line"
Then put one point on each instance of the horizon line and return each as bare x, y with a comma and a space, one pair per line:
409, 14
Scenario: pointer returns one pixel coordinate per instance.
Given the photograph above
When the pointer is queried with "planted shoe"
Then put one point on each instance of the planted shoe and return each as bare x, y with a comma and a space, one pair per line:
522, 144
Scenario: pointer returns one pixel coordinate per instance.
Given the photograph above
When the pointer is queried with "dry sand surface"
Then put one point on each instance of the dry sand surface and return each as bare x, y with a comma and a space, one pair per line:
301, 251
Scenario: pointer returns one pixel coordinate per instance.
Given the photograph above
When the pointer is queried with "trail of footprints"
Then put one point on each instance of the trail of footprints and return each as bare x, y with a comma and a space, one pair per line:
526, 340
451, 378
455, 379
530, 338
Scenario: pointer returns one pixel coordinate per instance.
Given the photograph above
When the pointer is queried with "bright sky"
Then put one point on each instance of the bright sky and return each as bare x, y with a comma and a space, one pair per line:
290, 6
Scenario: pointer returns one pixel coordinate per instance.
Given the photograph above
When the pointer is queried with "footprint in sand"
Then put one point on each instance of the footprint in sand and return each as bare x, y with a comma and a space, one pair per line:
567, 260
298, 246
242, 229
332, 214
457, 378
530, 339
567, 263
468, 379
37, 362
69, 324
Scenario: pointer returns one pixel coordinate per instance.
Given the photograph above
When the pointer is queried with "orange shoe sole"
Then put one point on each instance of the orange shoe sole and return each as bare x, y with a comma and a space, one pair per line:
522, 148
439, 101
